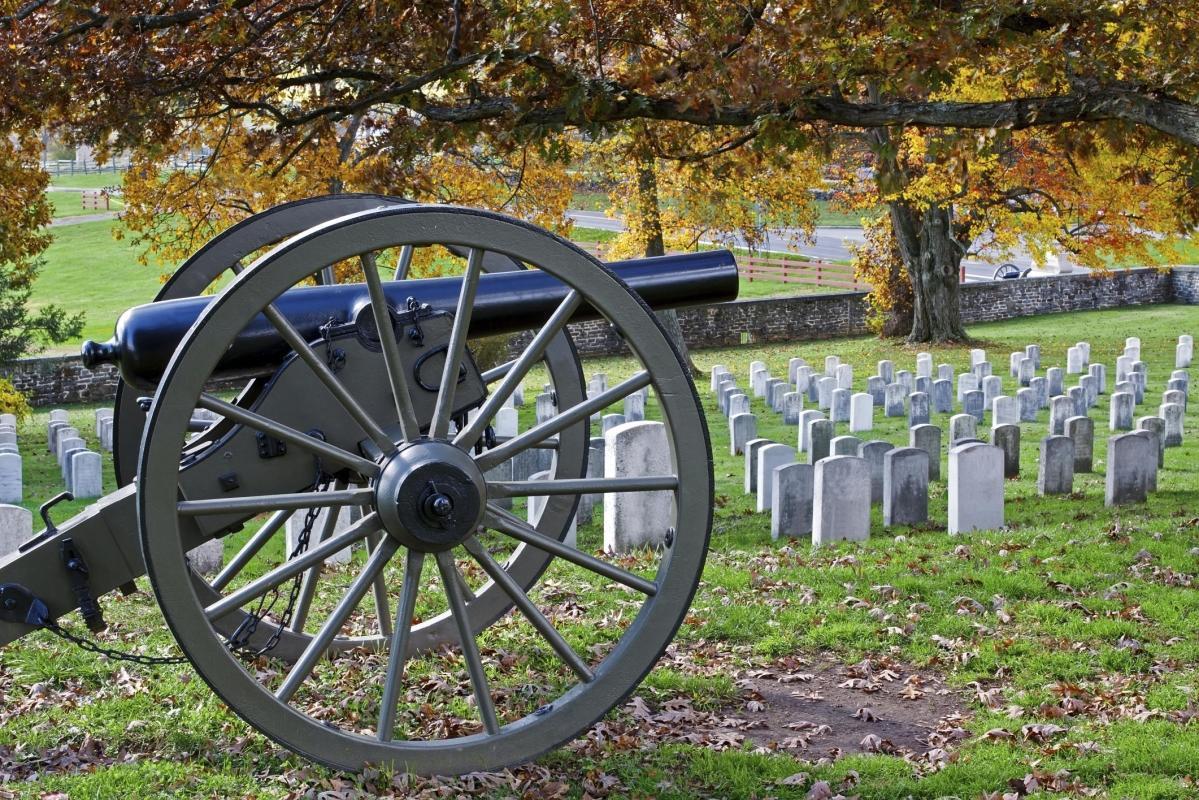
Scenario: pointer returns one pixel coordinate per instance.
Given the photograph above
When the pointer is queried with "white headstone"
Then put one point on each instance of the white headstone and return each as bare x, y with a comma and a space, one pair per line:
1005, 411
742, 428
975, 488
841, 500
637, 519
792, 491
16, 527
861, 412
845, 376
1130, 461
10, 479
87, 475
769, 457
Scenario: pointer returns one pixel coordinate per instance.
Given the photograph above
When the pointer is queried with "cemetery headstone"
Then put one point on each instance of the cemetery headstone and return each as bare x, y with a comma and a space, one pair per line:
845, 376
972, 404
820, 437
906, 379
792, 406
845, 445
793, 487
769, 457
872, 453
1007, 439
886, 371
905, 486
1078, 396
751, 463
975, 488
1099, 373
634, 407
16, 528
992, 388
830, 365
877, 389
896, 398
962, 426
1120, 416
1172, 413
1158, 426
943, 396
1081, 431
743, 428
967, 382
928, 439
1033, 351
861, 412
924, 365
610, 421
805, 419
1129, 460
637, 519
918, 409
11, 486
1055, 469
841, 500
1155, 445
738, 404
1026, 399
1061, 408
825, 387
1041, 386
1005, 411
945, 372
840, 406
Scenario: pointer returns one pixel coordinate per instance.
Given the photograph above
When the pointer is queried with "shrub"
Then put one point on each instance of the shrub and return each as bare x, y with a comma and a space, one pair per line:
12, 401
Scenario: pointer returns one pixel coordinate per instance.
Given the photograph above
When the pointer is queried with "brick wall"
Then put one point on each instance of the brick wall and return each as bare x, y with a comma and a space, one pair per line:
64, 379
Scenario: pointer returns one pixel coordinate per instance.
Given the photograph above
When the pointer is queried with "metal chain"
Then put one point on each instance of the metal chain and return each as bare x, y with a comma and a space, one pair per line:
240, 637
115, 655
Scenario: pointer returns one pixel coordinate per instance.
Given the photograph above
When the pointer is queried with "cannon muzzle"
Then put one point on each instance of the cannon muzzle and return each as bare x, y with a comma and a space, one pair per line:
146, 336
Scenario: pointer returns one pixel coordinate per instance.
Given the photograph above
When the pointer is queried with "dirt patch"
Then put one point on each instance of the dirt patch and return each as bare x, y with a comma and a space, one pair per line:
828, 709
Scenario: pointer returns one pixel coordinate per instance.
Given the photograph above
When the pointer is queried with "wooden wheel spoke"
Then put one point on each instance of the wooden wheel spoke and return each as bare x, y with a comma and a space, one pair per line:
470, 650
647, 483
325, 375
331, 626
456, 347
399, 644
260, 586
531, 612
290, 435
515, 371
256, 504
396, 376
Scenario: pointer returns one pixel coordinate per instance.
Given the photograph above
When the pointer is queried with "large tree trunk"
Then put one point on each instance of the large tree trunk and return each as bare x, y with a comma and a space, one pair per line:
934, 259
649, 212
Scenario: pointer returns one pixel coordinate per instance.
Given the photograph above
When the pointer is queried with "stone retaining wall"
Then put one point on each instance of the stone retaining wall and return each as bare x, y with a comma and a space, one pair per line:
63, 379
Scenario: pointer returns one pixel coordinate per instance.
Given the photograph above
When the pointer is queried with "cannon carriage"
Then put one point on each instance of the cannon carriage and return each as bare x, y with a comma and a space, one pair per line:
364, 395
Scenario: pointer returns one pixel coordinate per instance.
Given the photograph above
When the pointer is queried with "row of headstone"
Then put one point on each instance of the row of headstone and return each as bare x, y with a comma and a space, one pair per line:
11, 484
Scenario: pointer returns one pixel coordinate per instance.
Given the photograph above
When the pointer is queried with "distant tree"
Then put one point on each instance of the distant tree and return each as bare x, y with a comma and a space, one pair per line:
24, 213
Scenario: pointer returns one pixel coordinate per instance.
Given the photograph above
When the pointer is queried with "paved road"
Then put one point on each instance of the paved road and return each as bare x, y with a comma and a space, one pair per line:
829, 244
81, 218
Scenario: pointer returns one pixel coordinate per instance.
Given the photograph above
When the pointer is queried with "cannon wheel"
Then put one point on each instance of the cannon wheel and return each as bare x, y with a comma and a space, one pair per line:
298, 706
228, 250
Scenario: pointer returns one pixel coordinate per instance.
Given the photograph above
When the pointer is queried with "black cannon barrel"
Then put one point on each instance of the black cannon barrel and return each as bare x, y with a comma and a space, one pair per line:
506, 302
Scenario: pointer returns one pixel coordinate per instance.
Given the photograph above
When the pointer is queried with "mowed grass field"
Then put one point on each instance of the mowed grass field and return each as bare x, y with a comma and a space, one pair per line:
1058, 655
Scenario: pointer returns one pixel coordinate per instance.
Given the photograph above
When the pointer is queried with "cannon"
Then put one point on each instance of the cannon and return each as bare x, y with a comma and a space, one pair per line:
355, 414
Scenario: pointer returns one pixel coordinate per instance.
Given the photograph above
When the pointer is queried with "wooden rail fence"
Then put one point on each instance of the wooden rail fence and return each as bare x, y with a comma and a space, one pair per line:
781, 270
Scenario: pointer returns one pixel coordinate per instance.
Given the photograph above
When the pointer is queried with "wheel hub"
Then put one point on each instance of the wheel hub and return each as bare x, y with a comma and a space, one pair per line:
430, 496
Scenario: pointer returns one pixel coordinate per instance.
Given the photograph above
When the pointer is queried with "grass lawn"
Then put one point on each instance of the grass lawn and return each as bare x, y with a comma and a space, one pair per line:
87, 270
92, 180
1059, 652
